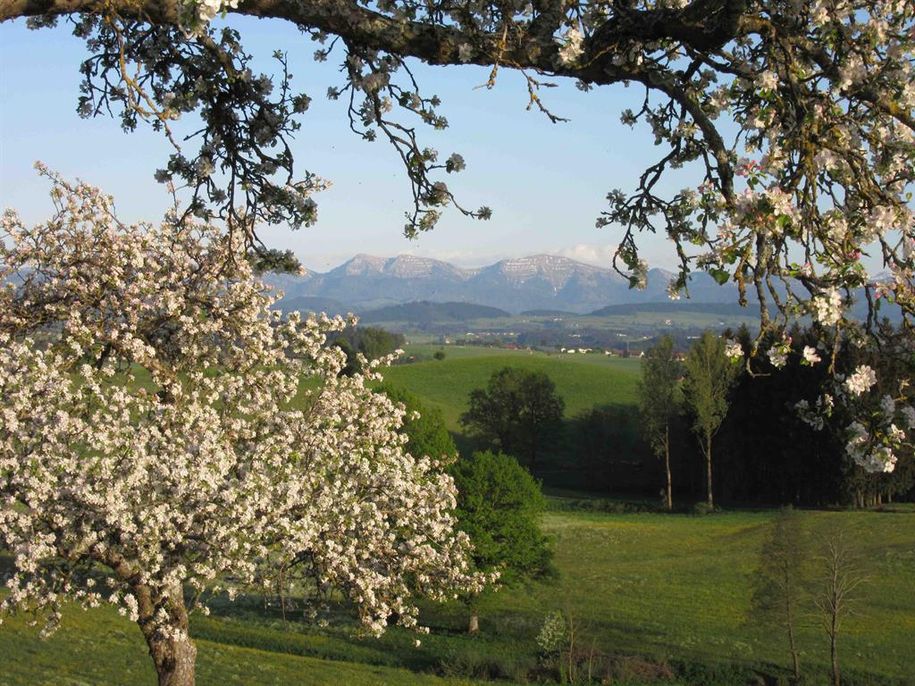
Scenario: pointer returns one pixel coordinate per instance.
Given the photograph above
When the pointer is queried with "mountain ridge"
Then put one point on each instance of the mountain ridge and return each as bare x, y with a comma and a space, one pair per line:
518, 284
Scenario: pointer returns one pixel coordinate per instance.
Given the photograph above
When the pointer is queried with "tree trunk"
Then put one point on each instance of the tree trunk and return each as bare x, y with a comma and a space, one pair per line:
708, 468
794, 656
791, 642
670, 496
170, 646
174, 659
834, 632
473, 625
834, 654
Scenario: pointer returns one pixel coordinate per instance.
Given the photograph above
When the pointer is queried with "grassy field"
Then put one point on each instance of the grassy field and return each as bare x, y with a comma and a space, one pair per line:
671, 588
582, 380
99, 647
668, 593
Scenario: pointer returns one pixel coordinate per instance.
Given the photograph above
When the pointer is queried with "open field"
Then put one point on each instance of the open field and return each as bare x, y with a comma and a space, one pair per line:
101, 648
669, 587
670, 590
582, 380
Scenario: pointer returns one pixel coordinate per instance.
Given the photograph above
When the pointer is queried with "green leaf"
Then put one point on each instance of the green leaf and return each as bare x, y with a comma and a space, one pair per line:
722, 276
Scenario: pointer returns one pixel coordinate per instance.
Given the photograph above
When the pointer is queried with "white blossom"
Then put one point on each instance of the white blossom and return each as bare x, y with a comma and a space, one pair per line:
861, 380
827, 307
733, 350
153, 421
777, 357
572, 47
810, 355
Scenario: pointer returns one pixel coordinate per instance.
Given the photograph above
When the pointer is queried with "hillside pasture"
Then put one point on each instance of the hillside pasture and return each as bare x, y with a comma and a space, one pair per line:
582, 380
668, 590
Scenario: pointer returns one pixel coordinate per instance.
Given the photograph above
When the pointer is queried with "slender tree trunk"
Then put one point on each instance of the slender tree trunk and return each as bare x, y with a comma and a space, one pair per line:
670, 496
473, 626
708, 470
170, 646
794, 656
571, 649
834, 654
789, 621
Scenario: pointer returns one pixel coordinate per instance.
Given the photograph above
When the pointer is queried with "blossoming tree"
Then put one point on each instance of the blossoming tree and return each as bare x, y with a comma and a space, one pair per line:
799, 117
156, 446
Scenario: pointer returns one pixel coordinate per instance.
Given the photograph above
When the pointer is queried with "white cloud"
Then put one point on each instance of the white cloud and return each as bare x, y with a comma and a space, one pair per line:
591, 253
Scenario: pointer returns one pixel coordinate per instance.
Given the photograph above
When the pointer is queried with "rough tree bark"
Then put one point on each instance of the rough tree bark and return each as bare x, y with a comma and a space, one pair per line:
473, 625
170, 646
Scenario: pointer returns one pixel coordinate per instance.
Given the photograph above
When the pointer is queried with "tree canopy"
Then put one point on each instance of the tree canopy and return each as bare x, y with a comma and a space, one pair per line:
424, 426
799, 119
659, 402
797, 116
154, 437
519, 412
499, 507
710, 375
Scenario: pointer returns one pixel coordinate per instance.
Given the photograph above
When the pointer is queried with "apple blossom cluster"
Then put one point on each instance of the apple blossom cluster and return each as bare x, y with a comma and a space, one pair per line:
880, 424
154, 433
779, 351
860, 381
571, 46
827, 308
733, 350
197, 14
823, 95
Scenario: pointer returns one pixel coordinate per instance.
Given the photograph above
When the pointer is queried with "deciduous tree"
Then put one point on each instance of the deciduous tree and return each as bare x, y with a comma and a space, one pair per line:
841, 576
779, 583
424, 426
519, 412
658, 402
499, 507
154, 441
709, 377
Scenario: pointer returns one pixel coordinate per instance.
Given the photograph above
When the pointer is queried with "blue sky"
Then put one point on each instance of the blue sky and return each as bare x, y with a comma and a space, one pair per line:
545, 183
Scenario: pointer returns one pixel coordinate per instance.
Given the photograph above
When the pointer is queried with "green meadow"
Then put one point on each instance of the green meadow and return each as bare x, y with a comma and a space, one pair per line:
653, 589
583, 380
655, 598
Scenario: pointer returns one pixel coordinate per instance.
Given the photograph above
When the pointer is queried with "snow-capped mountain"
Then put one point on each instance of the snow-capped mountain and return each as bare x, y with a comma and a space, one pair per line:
517, 284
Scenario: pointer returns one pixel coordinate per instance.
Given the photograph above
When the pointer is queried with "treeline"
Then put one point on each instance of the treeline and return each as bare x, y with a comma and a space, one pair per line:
763, 452
369, 341
769, 454
752, 445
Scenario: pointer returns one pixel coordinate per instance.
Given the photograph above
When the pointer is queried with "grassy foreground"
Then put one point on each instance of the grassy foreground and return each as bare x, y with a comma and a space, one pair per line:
671, 588
99, 647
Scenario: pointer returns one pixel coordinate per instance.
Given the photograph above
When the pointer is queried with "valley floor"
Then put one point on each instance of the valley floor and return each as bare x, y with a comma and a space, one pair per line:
673, 589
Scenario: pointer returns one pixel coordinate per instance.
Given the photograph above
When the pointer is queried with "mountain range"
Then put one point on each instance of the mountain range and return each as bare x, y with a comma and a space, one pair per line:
537, 282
